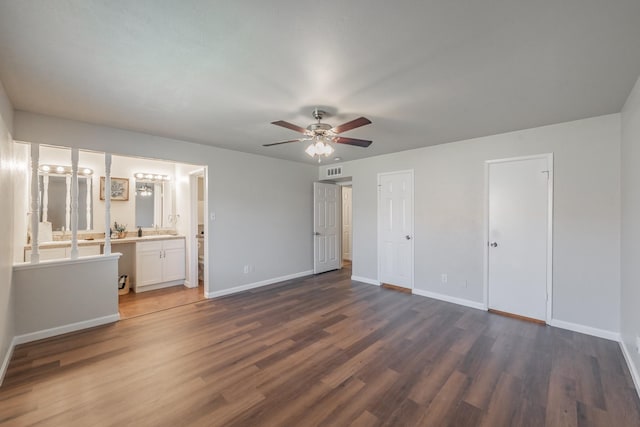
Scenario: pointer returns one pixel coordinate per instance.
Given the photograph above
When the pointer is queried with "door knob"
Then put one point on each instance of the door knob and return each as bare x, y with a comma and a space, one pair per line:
317, 233
407, 237
494, 244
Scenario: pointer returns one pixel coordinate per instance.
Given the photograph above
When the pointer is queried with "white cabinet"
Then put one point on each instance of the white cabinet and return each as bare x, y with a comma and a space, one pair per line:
64, 252
159, 263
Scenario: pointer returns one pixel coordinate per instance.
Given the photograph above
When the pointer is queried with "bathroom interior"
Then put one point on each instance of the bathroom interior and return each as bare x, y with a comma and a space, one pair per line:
156, 222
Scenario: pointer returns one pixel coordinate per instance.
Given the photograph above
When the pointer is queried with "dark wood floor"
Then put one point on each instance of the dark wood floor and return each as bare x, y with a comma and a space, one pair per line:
320, 351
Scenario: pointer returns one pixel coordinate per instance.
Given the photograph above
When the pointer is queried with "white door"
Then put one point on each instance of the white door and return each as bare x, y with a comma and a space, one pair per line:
326, 239
395, 228
518, 232
346, 223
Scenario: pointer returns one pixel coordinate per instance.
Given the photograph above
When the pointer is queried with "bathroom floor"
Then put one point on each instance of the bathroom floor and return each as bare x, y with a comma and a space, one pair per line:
133, 305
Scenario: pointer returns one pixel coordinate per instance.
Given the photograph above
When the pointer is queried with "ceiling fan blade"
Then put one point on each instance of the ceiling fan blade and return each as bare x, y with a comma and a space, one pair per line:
282, 142
289, 126
361, 121
352, 141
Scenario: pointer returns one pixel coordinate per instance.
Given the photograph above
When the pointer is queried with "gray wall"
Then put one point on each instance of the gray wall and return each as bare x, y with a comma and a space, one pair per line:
449, 214
53, 294
6, 228
630, 261
263, 206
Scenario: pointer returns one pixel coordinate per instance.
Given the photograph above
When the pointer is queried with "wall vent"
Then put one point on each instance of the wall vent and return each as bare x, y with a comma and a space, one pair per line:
337, 171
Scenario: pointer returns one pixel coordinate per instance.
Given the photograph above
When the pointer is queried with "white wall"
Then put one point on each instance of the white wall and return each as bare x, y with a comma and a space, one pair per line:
630, 246
449, 214
7, 173
263, 206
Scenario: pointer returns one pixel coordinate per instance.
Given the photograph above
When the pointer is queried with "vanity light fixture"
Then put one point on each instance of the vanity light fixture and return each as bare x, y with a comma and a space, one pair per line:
63, 170
149, 177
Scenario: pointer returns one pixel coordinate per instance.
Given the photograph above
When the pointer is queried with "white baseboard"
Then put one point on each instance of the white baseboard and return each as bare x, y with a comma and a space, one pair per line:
254, 285
631, 365
365, 280
64, 329
575, 327
7, 359
448, 298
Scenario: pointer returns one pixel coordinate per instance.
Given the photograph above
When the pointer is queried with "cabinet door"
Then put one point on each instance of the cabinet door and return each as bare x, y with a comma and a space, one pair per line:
148, 263
174, 260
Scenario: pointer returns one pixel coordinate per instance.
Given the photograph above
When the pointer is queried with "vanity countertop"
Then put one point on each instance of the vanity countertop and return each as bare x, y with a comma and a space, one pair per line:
82, 242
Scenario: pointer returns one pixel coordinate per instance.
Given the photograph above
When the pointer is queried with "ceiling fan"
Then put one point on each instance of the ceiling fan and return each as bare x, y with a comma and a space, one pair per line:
322, 134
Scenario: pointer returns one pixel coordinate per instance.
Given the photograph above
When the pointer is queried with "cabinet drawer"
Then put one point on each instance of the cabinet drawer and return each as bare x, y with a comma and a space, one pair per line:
174, 244
148, 246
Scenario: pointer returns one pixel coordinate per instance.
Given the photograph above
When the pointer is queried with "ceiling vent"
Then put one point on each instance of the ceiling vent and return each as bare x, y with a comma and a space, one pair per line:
335, 171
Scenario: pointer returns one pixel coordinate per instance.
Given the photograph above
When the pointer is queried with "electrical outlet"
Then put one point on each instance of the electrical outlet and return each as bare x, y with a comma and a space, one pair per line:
212, 215
246, 269
444, 278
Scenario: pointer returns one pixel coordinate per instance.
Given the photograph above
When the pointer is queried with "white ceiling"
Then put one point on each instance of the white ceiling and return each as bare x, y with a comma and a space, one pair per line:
424, 72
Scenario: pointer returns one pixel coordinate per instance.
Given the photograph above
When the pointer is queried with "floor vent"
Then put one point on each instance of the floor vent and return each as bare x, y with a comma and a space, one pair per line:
337, 171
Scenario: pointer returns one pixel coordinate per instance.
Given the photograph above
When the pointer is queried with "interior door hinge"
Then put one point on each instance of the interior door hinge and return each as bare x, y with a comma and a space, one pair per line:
547, 172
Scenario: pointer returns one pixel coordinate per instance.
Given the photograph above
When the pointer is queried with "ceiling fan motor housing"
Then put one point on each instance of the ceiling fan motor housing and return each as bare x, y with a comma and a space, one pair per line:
314, 127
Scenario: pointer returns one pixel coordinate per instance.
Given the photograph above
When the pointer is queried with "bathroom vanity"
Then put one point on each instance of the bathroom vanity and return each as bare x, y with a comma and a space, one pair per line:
151, 262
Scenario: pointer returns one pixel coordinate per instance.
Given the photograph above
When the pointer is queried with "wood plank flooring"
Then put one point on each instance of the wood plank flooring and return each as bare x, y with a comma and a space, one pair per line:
132, 304
325, 351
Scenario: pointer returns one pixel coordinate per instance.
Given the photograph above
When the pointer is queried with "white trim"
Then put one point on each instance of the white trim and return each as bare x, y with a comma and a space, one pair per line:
575, 327
7, 359
632, 367
254, 285
442, 297
66, 261
65, 329
485, 279
365, 280
413, 229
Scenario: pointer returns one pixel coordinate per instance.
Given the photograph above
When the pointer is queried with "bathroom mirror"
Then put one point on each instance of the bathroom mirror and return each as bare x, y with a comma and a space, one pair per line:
151, 204
55, 202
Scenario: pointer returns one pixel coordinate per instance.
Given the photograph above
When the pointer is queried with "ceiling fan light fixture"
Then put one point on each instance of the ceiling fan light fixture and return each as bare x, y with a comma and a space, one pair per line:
319, 148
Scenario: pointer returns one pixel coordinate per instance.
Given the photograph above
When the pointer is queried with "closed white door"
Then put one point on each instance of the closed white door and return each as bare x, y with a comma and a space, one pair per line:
347, 238
326, 234
519, 206
395, 228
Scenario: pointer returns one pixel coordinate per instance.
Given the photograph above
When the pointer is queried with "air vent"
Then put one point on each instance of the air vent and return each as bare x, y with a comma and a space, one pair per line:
337, 171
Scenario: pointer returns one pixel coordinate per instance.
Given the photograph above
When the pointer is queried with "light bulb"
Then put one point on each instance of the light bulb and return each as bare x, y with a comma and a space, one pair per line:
328, 150
46, 168
149, 176
59, 169
139, 175
87, 171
